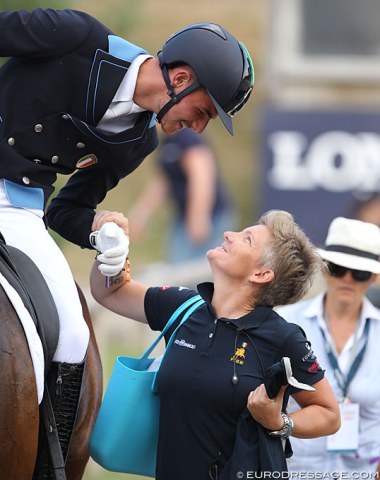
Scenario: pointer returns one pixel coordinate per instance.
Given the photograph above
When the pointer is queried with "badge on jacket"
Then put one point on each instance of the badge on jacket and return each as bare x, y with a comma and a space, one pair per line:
87, 161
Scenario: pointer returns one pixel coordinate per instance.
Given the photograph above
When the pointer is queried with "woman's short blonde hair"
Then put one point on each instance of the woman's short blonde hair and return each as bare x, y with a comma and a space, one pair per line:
292, 257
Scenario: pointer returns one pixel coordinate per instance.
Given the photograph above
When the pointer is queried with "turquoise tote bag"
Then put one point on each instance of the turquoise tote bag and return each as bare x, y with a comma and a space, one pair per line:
125, 434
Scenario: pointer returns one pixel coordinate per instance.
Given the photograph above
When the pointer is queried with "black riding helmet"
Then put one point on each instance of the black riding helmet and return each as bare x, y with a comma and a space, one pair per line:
221, 64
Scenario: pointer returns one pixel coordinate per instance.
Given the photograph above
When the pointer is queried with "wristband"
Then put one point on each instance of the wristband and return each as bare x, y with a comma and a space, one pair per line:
286, 430
127, 270
127, 275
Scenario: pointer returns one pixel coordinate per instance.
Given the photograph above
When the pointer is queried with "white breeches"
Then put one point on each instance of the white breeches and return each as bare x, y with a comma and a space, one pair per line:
26, 231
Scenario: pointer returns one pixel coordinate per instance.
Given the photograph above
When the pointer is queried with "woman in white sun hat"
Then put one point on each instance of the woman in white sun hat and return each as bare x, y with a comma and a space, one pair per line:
344, 329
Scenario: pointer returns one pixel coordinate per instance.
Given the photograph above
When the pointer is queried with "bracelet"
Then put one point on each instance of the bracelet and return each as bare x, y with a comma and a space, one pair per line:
123, 276
127, 270
286, 430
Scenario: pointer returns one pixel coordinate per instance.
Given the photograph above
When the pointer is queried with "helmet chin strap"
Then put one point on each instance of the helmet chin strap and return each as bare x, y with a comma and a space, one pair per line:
174, 98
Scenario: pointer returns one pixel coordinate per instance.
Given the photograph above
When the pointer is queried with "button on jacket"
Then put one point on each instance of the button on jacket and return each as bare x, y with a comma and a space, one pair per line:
64, 71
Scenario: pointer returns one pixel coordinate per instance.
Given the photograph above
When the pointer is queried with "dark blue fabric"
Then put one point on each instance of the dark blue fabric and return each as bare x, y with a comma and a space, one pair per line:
173, 147
62, 77
204, 424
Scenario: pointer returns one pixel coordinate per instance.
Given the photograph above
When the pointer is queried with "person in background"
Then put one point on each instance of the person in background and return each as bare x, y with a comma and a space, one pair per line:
188, 174
344, 328
216, 417
76, 99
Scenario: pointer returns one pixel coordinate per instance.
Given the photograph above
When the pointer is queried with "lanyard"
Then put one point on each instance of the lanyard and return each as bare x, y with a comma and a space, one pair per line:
344, 381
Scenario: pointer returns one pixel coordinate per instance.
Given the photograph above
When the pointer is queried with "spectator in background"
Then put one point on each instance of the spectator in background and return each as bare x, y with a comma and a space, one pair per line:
344, 329
188, 174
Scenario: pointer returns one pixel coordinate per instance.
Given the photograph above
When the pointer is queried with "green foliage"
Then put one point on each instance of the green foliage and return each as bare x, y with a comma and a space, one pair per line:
31, 4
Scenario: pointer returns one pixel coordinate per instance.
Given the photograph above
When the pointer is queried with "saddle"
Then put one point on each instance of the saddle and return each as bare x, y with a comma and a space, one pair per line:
24, 276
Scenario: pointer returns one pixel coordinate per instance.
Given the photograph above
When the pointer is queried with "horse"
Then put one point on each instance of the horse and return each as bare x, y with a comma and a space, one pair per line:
19, 409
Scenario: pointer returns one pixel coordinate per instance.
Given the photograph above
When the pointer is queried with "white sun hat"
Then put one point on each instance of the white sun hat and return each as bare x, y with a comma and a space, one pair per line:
353, 244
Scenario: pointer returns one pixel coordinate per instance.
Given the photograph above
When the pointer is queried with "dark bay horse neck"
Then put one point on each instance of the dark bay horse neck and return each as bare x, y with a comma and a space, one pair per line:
19, 412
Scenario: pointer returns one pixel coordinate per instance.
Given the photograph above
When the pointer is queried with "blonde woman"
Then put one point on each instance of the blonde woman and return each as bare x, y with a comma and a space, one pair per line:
216, 419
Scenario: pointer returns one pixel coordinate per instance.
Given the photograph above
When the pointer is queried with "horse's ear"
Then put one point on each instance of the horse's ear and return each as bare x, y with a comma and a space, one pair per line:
2, 239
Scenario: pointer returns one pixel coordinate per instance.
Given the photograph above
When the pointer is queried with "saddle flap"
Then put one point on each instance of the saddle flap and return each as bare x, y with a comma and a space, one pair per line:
25, 277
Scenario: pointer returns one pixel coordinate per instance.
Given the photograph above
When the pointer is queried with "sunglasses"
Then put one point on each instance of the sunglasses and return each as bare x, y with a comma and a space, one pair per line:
339, 271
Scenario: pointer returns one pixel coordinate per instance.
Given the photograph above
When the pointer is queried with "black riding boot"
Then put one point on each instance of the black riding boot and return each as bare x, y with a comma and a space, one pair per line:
65, 400
64, 385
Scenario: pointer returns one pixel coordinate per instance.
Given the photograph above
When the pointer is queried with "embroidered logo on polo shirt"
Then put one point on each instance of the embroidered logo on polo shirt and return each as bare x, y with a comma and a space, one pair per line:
314, 367
239, 355
309, 355
183, 343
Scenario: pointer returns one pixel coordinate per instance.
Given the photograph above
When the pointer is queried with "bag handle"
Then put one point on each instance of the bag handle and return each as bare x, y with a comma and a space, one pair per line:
191, 304
171, 320
185, 317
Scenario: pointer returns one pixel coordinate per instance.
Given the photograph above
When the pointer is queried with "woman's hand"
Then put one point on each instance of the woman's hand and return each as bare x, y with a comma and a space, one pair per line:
111, 239
265, 410
104, 216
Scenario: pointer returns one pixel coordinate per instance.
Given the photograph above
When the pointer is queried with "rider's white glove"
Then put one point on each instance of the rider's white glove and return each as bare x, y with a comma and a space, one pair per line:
113, 245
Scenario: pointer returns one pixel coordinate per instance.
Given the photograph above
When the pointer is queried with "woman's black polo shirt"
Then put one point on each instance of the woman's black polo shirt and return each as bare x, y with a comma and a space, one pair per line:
200, 405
